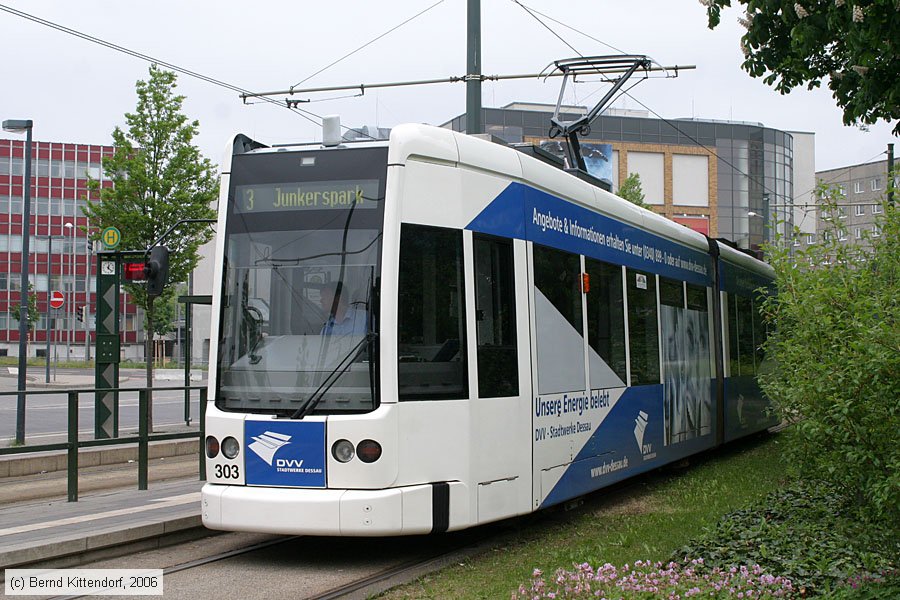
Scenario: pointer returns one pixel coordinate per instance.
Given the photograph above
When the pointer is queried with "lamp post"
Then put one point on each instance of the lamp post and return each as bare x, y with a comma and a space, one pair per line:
18, 126
70, 228
87, 301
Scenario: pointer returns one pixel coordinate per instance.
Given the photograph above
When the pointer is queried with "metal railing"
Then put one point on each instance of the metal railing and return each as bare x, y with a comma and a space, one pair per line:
142, 439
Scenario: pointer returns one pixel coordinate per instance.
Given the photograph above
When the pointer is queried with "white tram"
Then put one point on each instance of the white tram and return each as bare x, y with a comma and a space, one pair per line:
437, 331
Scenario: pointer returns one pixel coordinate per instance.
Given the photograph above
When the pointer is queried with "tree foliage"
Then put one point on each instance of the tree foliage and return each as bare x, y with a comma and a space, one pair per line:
159, 178
854, 44
33, 314
836, 356
631, 190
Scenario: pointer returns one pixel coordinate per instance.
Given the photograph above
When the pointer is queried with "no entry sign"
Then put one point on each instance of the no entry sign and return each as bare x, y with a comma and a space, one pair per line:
57, 299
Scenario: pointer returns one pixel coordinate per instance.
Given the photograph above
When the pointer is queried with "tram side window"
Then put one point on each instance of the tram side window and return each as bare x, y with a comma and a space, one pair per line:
643, 334
495, 318
740, 334
671, 292
760, 332
606, 319
696, 298
431, 315
558, 320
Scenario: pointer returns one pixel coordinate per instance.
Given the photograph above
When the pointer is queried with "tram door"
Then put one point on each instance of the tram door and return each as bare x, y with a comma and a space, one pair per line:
500, 407
559, 361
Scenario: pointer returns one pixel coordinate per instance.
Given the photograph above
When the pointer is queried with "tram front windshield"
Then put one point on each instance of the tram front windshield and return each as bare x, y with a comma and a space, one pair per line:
299, 320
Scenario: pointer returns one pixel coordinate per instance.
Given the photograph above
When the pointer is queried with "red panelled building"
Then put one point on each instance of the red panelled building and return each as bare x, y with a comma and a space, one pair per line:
60, 255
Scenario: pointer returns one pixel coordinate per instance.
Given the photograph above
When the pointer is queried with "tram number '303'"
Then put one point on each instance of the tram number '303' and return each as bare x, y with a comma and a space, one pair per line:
227, 472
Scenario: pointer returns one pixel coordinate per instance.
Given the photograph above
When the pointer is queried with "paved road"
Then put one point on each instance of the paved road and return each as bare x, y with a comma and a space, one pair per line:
46, 414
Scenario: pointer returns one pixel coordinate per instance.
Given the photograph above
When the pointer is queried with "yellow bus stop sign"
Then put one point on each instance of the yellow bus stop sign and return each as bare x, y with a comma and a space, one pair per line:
110, 238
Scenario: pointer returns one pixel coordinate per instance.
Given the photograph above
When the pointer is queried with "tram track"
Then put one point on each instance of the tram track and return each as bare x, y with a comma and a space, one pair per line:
359, 587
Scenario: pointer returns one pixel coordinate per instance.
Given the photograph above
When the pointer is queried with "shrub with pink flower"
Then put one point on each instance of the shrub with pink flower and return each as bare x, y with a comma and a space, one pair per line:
646, 580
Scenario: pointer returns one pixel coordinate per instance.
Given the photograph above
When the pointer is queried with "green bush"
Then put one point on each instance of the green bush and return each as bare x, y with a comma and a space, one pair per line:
807, 533
836, 356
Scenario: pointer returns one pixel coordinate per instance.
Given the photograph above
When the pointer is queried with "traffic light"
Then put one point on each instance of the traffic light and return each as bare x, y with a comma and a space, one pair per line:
79, 313
156, 270
134, 272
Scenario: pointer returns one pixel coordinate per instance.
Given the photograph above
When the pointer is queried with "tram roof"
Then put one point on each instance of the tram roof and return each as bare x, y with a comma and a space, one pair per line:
442, 145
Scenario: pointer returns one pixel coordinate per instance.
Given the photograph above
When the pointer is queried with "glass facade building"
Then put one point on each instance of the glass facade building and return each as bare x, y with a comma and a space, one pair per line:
749, 169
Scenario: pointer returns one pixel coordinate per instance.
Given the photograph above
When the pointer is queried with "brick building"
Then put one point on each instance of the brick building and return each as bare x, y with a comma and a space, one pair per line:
61, 259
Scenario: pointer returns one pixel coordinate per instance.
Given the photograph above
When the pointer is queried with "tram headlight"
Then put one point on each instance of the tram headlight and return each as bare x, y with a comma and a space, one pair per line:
212, 446
368, 451
343, 451
230, 447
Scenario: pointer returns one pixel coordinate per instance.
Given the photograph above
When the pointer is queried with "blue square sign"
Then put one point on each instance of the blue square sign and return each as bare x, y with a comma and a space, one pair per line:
285, 453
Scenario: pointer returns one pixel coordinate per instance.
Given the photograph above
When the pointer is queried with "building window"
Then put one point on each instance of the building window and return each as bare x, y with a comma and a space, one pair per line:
860, 210
842, 213
858, 233
876, 231
858, 187
876, 184
811, 239
495, 318
876, 209
842, 236
431, 324
843, 189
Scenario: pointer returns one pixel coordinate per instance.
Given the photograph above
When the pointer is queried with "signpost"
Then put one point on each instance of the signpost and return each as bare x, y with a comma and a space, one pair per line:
110, 238
57, 299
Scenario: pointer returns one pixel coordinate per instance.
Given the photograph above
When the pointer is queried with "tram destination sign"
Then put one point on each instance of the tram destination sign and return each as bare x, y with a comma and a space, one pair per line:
307, 195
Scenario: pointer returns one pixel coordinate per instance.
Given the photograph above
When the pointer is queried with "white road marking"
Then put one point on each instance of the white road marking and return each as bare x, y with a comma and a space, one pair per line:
160, 503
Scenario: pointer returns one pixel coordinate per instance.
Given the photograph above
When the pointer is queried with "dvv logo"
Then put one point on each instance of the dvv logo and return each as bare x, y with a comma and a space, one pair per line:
640, 427
267, 444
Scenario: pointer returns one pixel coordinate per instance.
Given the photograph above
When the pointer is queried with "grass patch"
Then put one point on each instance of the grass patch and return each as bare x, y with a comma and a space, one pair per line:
649, 521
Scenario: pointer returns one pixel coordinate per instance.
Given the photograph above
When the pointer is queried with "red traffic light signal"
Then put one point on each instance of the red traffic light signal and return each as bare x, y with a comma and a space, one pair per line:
134, 271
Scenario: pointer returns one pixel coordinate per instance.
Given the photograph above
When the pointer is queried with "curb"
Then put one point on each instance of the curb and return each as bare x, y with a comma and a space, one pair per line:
18, 466
79, 549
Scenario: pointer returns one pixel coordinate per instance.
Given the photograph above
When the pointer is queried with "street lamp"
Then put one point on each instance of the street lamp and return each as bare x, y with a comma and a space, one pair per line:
18, 126
70, 309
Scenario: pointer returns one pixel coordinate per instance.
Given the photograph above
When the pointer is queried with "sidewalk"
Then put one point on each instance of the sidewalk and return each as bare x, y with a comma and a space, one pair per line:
39, 528
65, 534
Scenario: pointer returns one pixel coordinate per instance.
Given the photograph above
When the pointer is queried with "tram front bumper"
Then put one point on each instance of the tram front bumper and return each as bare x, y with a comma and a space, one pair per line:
393, 511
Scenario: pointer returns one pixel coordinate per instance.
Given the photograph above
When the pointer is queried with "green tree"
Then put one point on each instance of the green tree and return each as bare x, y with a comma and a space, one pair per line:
835, 356
163, 313
631, 190
854, 44
33, 314
159, 178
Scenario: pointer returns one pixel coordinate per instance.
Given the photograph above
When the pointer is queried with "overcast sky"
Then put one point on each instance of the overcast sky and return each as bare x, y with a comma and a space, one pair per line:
78, 91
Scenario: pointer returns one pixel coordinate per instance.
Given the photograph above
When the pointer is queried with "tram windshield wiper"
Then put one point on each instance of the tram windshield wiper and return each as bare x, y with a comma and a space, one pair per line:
368, 341
332, 377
